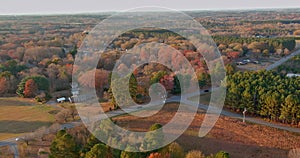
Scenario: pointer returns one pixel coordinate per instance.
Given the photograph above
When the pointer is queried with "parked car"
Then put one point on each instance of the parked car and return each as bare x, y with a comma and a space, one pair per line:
247, 60
241, 63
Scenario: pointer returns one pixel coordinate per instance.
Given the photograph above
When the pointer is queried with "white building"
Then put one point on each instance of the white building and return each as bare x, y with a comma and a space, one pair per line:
292, 75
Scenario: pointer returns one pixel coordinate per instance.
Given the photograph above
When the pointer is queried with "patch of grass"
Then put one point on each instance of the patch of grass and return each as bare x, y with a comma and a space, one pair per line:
15, 101
4, 136
18, 115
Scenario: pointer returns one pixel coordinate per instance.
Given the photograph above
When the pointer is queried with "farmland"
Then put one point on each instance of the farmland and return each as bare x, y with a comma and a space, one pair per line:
19, 116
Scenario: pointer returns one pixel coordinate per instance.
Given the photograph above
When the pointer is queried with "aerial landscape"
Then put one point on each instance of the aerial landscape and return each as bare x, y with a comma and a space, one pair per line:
224, 84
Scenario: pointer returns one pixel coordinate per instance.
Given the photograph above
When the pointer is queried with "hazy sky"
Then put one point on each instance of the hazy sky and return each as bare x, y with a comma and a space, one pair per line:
81, 6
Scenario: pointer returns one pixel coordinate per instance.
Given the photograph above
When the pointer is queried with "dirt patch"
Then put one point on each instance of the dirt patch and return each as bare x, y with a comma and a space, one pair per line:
231, 135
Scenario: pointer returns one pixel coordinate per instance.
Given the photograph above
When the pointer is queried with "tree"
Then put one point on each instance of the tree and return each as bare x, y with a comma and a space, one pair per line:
54, 128
73, 112
154, 138
99, 150
174, 150
41, 81
195, 154
290, 109
7, 83
27, 138
30, 89
4, 86
126, 154
297, 32
63, 146
271, 107
91, 142
203, 79
233, 55
120, 86
222, 154
230, 69
159, 155
63, 116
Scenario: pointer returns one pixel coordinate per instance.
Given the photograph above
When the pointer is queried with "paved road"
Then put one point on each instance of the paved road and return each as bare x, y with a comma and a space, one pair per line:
12, 142
283, 60
13, 146
248, 119
205, 107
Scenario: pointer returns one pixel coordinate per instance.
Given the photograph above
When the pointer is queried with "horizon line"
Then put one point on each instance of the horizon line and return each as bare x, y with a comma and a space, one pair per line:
118, 11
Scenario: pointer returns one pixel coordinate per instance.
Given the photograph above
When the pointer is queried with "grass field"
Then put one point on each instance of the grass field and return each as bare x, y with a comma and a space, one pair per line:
228, 134
18, 115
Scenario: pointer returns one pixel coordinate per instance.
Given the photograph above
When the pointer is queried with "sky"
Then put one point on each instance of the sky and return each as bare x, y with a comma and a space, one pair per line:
15, 7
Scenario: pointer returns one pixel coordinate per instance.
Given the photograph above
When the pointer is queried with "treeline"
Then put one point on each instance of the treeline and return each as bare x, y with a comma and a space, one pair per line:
266, 94
66, 144
271, 21
270, 44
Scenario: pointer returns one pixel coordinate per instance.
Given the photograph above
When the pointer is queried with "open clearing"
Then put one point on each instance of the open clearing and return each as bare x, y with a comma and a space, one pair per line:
231, 135
18, 115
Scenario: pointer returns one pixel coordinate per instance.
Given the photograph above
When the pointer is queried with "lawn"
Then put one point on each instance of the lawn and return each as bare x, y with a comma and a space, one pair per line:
18, 115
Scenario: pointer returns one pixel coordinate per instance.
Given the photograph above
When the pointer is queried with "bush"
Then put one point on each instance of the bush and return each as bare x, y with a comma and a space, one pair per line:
174, 150
194, 154
222, 154
43, 97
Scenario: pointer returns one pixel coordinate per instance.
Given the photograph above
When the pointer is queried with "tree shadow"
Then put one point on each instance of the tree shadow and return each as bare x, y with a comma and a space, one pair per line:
235, 149
9, 126
11, 102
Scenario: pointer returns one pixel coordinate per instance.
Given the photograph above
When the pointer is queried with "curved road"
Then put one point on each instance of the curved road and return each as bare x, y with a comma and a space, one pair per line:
12, 141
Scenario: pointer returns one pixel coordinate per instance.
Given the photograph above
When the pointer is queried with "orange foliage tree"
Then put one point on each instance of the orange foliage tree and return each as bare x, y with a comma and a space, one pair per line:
31, 89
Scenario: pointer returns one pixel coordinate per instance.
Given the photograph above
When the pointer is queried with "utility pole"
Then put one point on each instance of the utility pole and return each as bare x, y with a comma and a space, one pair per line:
244, 115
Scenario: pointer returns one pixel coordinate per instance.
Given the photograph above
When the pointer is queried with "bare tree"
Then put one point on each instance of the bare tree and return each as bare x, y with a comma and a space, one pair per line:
73, 112
63, 116
54, 128
27, 138
40, 132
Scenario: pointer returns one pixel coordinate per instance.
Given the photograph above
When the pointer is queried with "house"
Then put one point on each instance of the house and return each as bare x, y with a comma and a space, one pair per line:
61, 100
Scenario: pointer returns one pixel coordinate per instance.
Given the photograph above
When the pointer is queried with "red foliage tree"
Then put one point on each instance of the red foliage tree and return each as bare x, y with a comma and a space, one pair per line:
168, 82
159, 155
30, 89
3, 85
233, 55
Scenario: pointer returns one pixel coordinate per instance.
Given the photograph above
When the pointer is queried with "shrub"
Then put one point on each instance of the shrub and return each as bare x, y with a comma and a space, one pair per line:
194, 154
222, 154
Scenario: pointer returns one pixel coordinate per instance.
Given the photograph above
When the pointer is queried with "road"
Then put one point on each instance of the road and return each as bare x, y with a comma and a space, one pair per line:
12, 141
283, 60
12, 144
185, 100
